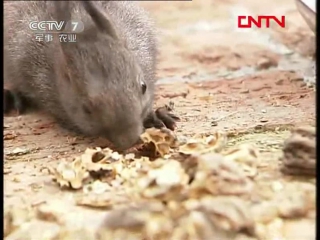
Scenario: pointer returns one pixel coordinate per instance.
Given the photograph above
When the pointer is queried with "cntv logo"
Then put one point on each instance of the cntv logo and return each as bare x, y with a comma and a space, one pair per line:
258, 21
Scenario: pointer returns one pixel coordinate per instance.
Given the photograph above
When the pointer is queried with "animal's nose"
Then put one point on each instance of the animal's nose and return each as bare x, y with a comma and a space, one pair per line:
126, 137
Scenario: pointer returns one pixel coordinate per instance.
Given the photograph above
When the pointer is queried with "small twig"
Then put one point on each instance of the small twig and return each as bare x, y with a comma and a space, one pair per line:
225, 116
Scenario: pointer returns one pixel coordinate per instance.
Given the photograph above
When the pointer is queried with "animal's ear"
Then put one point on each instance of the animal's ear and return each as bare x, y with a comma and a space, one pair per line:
100, 19
62, 11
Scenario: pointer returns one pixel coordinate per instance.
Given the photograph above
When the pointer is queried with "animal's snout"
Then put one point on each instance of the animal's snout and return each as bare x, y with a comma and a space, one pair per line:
126, 137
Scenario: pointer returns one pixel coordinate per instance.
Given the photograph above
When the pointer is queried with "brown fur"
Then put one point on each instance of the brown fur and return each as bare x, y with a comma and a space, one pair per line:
94, 85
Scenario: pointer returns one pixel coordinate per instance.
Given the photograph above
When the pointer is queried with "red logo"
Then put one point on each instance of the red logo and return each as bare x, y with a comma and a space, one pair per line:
258, 22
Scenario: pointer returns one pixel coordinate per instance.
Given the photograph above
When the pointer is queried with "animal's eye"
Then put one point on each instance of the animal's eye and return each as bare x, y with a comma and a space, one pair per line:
143, 87
86, 109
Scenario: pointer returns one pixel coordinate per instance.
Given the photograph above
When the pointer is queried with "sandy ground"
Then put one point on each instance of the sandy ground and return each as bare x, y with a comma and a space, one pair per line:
219, 78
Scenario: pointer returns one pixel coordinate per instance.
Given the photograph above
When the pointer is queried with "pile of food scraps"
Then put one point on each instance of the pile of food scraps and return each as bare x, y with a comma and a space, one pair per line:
195, 188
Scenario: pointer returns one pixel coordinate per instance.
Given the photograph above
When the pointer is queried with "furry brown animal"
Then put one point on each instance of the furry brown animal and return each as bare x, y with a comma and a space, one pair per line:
101, 85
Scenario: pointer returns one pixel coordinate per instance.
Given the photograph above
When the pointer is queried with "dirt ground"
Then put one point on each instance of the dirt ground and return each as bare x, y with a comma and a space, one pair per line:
246, 83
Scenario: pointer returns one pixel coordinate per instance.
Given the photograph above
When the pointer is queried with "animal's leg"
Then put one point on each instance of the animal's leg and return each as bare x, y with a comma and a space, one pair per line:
14, 101
161, 117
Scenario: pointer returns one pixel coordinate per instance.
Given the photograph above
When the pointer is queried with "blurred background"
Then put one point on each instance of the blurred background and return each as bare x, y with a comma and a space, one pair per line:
201, 37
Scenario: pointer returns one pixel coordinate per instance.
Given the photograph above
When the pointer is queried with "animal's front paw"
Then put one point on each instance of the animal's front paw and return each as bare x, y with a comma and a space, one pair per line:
162, 117
13, 101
